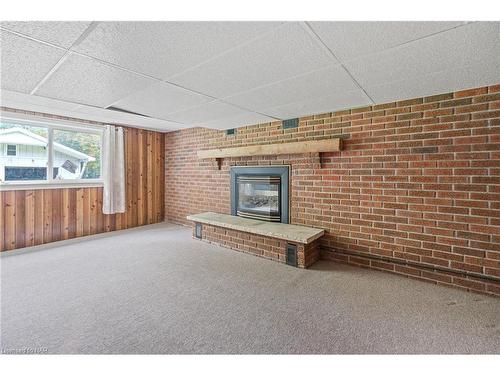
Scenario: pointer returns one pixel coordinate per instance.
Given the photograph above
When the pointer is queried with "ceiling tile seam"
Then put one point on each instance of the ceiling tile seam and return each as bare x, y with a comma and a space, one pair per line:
307, 26
408, 42
478, 63
116, 66
139, 114
257, 37
316, 98
171, 84
251, 110
417, 39
50, 72
224, 102
91, 27
24, 36
77, 41
277, 82
110, 112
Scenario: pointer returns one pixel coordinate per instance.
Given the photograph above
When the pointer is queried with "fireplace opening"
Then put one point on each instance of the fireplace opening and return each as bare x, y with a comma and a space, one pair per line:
258, 197
260, 193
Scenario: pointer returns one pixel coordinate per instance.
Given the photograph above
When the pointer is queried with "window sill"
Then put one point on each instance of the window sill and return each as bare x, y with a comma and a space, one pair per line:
60, 184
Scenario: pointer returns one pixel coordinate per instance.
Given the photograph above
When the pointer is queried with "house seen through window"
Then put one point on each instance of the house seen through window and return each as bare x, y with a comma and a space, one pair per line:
24, 153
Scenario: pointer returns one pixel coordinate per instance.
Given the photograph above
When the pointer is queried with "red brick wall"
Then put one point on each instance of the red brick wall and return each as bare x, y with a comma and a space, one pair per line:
416, 186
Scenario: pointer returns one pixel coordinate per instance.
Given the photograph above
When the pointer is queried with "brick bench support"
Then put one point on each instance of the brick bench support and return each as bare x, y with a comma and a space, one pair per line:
286, 243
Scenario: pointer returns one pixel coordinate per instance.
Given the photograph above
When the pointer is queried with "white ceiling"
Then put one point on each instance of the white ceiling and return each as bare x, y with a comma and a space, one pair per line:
229, 74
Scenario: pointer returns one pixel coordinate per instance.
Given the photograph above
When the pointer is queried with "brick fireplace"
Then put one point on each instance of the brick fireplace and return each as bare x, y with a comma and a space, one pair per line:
414, 191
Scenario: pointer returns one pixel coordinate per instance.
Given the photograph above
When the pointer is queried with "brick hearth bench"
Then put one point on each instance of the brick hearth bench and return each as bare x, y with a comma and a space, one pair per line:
292, 244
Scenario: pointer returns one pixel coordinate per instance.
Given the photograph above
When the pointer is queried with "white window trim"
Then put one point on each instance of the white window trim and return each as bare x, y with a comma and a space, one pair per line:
51, 125
54, 184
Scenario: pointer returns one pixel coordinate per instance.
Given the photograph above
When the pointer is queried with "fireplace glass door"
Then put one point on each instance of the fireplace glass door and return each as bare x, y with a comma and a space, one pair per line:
259, 197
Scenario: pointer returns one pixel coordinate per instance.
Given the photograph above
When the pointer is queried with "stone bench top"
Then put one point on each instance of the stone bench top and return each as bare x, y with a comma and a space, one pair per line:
288, 232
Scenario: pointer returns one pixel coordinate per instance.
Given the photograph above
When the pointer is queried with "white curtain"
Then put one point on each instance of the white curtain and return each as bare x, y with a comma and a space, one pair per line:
113, 170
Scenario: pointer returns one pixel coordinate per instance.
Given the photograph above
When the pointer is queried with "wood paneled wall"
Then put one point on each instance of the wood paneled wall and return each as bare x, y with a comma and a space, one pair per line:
33, 217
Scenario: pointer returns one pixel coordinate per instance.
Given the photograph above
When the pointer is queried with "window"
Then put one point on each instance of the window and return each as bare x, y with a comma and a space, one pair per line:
11, 150
30, 148
77, 154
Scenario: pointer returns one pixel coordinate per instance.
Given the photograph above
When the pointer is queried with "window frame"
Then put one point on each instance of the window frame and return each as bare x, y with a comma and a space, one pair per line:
51, 125
7, 150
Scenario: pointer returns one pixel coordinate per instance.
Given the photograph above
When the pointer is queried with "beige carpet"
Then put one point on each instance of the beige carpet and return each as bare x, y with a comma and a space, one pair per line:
156, 290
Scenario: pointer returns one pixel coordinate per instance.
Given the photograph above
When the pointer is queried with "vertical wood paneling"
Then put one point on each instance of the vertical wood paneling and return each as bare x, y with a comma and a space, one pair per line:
39, 216
79, 212
135, 176
72, 213
47, 217
20, 219
56, 214
10, 219
29, 217
93, 210
129, 157
149, 177
86, 211
140, 192
33, 217
99, 215
162, 178
65, 214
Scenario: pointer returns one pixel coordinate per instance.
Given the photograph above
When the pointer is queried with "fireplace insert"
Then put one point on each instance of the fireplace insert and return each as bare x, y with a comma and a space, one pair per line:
260, 193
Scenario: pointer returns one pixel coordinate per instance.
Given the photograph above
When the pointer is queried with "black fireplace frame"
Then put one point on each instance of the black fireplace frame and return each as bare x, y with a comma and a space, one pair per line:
283, 171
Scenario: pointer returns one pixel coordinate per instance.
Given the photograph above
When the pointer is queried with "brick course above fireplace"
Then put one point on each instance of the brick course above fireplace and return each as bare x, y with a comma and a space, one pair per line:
415, 190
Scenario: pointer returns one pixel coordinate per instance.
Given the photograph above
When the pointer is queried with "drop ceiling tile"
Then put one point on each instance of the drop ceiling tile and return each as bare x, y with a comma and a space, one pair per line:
482, 74
320, 83
463, 46
25, 62
207, 112
286, 52
349, 40
63, 34
162, 49
243, 119
86, 81
160, 99
329, 103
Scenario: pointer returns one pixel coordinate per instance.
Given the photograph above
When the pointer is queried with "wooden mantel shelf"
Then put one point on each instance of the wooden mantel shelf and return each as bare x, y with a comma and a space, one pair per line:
322, 145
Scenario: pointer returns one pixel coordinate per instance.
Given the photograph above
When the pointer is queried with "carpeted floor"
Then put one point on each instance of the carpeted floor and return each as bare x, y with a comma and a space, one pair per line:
156, 290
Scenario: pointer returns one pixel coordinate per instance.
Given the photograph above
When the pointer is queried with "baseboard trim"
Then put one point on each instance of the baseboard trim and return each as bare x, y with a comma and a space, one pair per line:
428, 267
